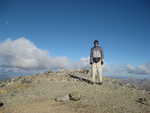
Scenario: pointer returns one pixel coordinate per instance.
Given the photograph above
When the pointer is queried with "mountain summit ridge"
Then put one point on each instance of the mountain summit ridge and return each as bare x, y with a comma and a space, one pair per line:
37, 94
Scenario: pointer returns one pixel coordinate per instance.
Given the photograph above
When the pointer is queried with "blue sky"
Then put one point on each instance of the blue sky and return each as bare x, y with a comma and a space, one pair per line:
68, 27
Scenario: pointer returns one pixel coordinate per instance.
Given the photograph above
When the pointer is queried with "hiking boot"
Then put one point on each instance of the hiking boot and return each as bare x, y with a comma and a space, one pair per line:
93, 83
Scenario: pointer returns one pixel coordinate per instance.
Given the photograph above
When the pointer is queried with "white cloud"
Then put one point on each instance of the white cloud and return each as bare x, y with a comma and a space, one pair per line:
22, 56
141, 69
127, 69
22, 53
82, 63
115, 69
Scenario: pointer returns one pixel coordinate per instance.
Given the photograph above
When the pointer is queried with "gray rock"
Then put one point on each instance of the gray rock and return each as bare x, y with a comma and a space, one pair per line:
26, 81
142, 100
130, 85
1, 104
75, 96
50, 71
2, 84
65, 98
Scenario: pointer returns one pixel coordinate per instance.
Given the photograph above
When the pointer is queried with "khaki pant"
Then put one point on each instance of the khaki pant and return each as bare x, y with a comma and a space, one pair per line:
97, 70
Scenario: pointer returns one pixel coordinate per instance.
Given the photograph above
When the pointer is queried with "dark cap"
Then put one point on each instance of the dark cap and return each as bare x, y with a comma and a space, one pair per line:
96, 41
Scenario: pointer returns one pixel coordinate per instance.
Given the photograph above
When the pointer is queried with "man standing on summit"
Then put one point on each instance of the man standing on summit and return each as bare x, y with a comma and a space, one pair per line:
97, 61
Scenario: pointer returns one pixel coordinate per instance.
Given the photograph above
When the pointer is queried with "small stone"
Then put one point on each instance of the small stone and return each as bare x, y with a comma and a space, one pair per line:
130, 85
141, 100
65, 98
50, 71
1, 104
75, 96
27, 81
2, 85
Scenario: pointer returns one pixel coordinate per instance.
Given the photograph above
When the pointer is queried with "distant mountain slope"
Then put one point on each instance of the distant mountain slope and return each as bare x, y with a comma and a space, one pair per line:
141, 84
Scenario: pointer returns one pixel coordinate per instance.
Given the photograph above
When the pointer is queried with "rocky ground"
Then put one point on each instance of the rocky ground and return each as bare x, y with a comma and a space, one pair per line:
70, 92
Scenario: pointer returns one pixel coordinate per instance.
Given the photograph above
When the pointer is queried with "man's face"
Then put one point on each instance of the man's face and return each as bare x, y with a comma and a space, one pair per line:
96, 44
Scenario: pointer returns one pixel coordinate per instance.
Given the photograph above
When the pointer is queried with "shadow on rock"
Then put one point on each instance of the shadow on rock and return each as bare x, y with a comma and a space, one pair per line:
81, 79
